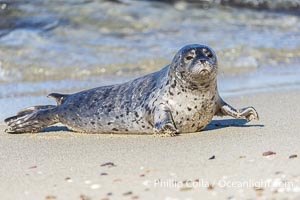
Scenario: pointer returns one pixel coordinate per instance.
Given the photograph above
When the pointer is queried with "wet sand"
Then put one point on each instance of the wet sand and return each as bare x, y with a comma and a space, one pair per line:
223, 162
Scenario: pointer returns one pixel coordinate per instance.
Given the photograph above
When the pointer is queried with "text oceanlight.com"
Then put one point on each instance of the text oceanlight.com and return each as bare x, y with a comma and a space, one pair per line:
202, 183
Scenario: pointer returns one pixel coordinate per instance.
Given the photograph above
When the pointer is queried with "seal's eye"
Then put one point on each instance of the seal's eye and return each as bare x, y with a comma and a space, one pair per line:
189, 57
208, 53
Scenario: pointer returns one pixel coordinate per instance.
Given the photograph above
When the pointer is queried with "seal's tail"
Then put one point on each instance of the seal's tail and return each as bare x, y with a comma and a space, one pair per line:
32, 119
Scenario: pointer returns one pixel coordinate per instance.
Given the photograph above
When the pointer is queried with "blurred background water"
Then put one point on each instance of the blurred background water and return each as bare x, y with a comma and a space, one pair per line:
70, 45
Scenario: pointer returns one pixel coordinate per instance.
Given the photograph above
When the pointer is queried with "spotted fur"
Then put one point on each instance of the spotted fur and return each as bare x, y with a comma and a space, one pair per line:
180, 98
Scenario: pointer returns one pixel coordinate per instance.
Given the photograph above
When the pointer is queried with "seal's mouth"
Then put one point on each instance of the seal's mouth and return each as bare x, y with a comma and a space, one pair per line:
204, 72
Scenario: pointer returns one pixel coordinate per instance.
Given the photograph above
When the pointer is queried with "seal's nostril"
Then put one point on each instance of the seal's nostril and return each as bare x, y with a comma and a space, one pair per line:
202, 61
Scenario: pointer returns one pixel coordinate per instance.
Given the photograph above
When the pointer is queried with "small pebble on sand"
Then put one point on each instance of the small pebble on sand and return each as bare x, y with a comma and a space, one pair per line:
293, 156
210, 187
213, 157
50, 197
108, 164
68, 179
127, 193
84, 197
268, 153
117, 180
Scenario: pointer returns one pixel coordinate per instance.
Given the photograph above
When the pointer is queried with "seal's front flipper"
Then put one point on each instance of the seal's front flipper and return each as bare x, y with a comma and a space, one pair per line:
163, 121
248, 113
32, 121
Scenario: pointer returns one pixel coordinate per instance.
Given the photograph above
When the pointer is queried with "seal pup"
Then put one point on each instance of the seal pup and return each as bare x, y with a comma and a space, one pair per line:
182, 97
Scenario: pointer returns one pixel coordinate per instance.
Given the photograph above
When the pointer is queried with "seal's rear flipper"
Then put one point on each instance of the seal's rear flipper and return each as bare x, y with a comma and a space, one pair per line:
32, 120
34, 108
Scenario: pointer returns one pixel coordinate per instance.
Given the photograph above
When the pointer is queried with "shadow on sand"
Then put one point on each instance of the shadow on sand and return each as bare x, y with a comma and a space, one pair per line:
55, 129
223, 123
214, 124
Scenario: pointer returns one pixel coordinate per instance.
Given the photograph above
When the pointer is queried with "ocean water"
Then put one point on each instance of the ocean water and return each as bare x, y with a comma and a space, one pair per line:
70, 45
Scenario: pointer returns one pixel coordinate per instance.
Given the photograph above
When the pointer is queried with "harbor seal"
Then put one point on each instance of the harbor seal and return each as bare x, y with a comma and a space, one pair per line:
182, 97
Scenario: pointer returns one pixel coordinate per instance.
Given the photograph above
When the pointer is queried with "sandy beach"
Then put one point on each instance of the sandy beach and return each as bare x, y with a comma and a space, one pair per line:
225, 161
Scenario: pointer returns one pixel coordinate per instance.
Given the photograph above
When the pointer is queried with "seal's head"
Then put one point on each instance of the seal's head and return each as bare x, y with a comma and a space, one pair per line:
196, 63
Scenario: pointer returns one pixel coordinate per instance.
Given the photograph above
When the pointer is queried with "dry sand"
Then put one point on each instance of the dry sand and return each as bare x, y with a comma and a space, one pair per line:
66, 165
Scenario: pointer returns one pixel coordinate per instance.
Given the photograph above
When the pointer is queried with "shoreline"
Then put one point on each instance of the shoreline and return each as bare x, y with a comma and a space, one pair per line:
67, 165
